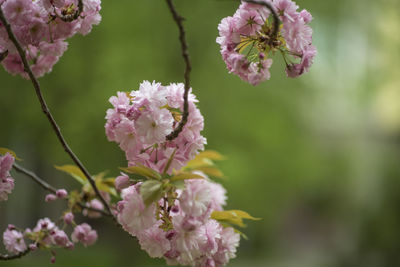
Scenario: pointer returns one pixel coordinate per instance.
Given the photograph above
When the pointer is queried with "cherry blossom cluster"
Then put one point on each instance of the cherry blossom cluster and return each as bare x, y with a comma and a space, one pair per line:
193, 239
141, 120
42, 28
248, 40
47, 235
6, 181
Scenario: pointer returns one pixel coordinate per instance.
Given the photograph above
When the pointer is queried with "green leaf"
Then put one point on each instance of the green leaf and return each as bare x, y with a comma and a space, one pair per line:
205, 158
74, 171
142, 171
3, 151
179, 184
234, 217
151, 191
169, 162
211, 171
185, 176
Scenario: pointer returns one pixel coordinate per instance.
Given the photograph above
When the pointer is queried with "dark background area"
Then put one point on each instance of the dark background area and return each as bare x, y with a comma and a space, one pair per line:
318, 157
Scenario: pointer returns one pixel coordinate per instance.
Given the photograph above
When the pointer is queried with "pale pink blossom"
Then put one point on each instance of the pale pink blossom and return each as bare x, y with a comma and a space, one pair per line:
96, 204
85, 234
133, 213
122, 181
50, 197
14, 241
68, 218
154, 241
195, 199
61, 193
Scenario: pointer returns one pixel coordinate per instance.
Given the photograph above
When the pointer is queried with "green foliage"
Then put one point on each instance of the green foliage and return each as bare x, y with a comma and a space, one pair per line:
3, 151
142, 171
151, 191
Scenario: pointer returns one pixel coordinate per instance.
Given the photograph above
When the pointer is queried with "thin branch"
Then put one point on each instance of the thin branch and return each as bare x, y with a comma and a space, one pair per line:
14, 257
182, 38
50, 188
47, 112
3, 55
35, 178
277, 21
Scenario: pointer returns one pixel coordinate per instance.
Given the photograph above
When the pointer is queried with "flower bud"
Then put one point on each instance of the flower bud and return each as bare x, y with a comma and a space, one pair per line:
68, 218
50, 197
61, 193
122, 182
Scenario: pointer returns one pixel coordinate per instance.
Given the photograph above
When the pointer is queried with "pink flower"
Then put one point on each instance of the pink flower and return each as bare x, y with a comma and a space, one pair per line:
227, 245
61, 193
61, 239
68, 218
50, 197
247, 56
154, 241
122, 182
141, 124
132, 212
153, 127
6, 163
14, 241
83, 233
42, 38
6, 181
195, 199
96, 204
295, 70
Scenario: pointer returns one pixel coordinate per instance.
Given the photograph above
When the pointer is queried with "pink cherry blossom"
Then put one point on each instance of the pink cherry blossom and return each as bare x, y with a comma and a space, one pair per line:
141, 122
14, 241
247, 40
85, 234
6, 181
41, 31
132, 212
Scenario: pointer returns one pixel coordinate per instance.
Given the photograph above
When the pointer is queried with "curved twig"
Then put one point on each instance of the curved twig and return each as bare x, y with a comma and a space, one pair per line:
277, 21
14, 257
47, 112
182, 38
52, 189
35, 178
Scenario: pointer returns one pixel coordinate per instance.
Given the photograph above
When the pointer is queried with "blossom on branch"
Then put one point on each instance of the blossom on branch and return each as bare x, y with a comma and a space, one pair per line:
42, 28
6, 181
250, 37
141, 120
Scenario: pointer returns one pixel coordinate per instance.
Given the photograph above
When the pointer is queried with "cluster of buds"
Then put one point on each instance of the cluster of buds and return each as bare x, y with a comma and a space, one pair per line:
47, 235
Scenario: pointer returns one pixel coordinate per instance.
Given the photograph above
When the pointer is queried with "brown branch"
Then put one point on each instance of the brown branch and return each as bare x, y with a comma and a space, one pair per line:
52, 189
182, 38
47, 112
277, 21
3, 55
14, 257
35, 178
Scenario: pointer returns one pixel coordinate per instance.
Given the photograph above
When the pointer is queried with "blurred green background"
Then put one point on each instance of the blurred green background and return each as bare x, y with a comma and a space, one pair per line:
318, 157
